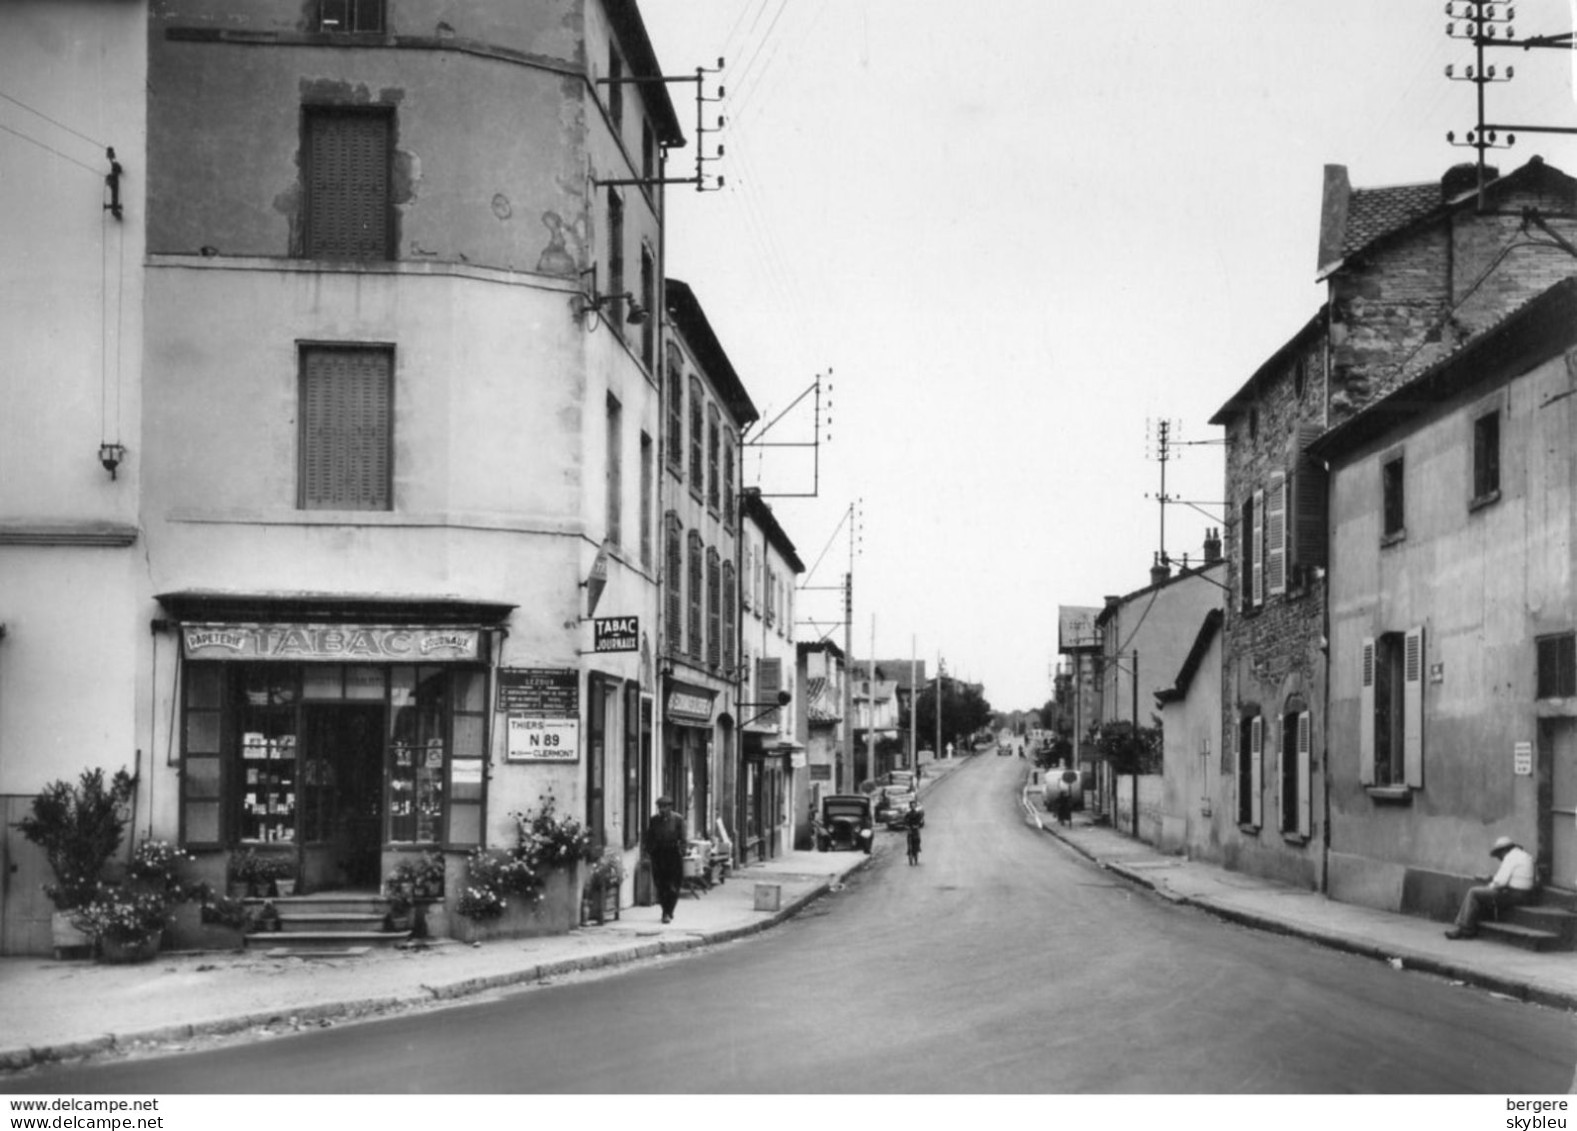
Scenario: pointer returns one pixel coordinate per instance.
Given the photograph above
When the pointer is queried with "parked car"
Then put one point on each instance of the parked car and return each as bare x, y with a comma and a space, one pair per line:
845, 823
902, 779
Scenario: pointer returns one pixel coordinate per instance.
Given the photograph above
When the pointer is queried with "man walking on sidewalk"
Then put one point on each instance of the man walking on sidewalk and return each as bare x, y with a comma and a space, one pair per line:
666, 842
1513, 884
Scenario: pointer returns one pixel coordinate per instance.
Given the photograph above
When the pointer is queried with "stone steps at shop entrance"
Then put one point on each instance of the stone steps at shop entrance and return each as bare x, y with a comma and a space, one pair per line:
1549, 924
329, 921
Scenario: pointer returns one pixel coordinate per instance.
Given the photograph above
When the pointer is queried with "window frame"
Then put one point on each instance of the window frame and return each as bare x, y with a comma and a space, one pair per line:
1390, 711
307, 428
315, 243
1555, 665
374, 11
1486, 458
614, 500
697, 437
1393, 498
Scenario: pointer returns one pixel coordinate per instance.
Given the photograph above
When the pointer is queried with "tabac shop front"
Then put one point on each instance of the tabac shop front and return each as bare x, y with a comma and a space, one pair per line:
337, 737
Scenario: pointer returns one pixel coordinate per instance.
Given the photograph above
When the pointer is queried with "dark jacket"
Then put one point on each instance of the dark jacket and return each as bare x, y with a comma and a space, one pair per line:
666, 835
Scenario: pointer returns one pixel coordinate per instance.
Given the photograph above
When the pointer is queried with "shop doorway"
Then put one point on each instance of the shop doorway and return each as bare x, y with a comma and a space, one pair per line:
1558, 821
342, 795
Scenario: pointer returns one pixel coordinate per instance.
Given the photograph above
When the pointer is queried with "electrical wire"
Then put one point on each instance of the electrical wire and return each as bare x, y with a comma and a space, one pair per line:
74, 133
52, 149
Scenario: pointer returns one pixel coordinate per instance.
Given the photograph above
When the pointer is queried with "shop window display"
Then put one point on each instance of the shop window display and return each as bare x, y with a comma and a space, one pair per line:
416, 755
268, 757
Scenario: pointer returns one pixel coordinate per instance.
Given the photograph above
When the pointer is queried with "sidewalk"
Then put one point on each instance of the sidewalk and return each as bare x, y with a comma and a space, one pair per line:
59, 1010
1405, 941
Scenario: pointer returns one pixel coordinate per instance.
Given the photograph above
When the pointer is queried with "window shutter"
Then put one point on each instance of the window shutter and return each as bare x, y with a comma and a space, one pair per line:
1413, 707
769, 680
714, 609
346, 413
1366, 714
674, 629
1305, 775
1257, 763
347, 185
1276, 535
1257, 547
1308, 501
730, 615
696, 581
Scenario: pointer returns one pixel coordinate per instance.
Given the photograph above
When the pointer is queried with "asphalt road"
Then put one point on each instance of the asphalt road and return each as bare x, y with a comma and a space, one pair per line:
1003, 963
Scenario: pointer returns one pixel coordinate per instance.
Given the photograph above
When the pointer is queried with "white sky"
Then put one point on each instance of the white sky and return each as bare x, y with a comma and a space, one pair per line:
1016, 231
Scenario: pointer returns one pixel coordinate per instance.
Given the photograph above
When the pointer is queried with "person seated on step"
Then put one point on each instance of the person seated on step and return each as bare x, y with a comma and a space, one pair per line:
1513, 884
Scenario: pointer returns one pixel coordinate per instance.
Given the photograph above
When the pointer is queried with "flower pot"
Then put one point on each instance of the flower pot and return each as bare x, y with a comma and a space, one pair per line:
65, 936
286, 887
128, 950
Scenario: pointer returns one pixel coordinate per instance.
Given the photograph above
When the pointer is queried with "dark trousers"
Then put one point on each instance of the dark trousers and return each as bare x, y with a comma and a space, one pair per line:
668, 878
1480, 901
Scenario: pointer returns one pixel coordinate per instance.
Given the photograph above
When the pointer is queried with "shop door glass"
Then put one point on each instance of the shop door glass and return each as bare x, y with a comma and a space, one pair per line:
343, 789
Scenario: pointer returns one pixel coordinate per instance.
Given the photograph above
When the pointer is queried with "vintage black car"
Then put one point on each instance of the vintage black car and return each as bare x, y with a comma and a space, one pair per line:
845, 823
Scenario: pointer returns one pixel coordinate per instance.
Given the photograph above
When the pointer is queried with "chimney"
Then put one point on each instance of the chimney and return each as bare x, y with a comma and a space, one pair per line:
1333, 215
1464, 178
1160, 571
1212, 546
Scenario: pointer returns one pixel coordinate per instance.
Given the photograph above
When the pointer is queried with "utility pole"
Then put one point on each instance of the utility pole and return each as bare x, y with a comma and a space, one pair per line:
914, 701
870, 705
848, 679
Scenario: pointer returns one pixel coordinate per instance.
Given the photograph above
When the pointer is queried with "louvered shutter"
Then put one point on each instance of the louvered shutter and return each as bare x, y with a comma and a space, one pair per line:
1366, 714
674, 581
1257, 547
697, 579
1308, 501
1276, 535
346, 417
348, 215
769, 681
1256, 732
1413, 706
1305, 775
714, 610
730, 615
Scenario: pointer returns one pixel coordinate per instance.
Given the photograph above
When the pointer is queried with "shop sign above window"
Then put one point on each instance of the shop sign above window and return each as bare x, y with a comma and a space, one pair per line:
330, 642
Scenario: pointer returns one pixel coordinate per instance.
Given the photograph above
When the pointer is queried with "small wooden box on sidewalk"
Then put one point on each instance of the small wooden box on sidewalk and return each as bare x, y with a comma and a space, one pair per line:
769, 897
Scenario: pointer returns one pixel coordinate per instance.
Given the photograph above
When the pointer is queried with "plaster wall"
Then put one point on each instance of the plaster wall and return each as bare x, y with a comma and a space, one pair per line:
70, 379
1482, 583
1192, 814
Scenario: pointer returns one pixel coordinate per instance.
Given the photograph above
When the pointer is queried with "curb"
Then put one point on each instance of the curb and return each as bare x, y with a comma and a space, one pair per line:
17, 1059
1411, 960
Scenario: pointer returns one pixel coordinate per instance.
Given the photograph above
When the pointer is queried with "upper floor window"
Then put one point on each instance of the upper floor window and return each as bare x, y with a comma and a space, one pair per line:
1393, 513
697, 438
649, 302
1486, 457
616, 261
648, 499
1557, 666
615, 472
728, 481
648, 151
1390, 713
350, 15
346, 433
696, 580
714, 608
616, 89
714, 456
730, 615
673, 584
348, 212
675, 381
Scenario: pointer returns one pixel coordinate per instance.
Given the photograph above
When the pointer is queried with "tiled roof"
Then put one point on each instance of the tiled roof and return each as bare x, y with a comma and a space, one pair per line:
1372, 213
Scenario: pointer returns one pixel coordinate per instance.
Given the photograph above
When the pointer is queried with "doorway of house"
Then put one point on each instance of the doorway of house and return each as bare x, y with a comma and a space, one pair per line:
342, 795
1558, 816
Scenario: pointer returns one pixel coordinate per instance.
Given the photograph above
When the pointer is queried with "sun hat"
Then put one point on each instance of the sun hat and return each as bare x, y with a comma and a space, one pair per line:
1501, 845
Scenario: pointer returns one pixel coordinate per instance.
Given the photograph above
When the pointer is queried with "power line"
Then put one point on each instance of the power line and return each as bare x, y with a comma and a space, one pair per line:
75, 133
52, 149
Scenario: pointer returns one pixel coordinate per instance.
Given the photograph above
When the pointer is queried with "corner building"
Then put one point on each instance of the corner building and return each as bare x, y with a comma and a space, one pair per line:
398, 452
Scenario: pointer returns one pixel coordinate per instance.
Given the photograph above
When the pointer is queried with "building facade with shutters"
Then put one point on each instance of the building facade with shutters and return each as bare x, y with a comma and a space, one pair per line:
772, 753
1270, 773
706, 411
818, 713
74, 643
1453, 699
398, 449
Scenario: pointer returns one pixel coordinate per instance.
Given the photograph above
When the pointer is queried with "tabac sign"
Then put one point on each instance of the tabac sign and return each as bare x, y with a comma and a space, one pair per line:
616, 634
330, 643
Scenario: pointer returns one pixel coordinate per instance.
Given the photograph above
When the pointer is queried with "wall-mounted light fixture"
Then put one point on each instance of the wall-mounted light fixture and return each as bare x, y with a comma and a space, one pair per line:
592, 306
110, 456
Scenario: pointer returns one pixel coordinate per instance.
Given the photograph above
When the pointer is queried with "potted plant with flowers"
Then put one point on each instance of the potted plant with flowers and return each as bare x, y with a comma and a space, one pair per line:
603, 884
413, 882
127, 920
79, 826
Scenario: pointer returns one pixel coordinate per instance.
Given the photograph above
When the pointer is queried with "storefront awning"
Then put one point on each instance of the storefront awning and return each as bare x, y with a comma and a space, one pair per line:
214, 606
